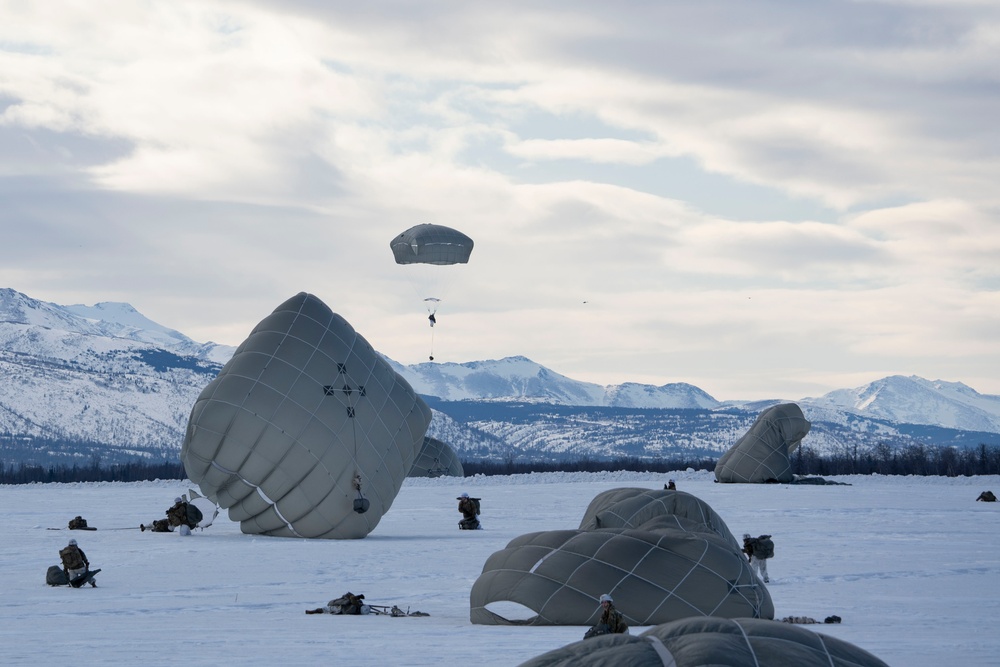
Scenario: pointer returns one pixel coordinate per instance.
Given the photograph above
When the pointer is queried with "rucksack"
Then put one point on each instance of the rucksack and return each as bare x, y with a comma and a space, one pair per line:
77, 523
475, 501
764, 547
194, 515
56, 577
71, 558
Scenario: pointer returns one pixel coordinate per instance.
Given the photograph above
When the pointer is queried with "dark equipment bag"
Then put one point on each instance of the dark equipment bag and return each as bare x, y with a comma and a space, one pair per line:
764, 547
194, 516
56, 577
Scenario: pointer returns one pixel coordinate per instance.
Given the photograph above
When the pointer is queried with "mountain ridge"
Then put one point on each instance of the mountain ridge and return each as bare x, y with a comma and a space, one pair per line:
109, 376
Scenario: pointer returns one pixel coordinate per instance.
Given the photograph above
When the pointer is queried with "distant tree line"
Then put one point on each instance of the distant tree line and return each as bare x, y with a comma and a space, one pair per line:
135, 471
511, 466
882, 459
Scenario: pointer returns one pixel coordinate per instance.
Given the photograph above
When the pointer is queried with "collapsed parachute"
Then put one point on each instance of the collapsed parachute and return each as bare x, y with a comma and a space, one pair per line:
762, 454
306, 431
424, 249
693, 642
436, 459
638, 508
656, 570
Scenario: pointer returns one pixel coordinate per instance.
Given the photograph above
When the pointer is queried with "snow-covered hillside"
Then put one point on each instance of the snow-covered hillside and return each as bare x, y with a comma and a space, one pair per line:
108, 375
914, 400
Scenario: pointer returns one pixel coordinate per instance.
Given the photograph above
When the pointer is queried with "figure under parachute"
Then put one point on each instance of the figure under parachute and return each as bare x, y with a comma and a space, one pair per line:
426, 248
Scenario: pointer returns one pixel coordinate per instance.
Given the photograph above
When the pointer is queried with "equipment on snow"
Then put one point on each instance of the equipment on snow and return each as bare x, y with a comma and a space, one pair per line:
85, 578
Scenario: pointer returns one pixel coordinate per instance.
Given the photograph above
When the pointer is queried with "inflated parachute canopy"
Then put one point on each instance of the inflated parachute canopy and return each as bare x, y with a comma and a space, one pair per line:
654, 509
436, 459
431, 244
653, 577
303, 424
695, 642
762, 454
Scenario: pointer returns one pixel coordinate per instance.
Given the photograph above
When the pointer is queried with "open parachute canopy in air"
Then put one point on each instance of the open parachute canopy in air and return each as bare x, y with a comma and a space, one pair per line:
431, 244
306, 431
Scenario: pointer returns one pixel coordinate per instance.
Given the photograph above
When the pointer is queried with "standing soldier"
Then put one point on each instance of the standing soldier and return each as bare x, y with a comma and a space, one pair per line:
758, 550
469, 507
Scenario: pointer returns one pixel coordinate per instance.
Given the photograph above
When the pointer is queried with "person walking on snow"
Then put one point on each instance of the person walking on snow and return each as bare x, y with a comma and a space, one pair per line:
757, 551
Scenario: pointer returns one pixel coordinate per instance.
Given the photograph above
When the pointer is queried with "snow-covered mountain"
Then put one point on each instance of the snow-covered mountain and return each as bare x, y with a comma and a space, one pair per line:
914, 400
521, 379
106, 381
105, 320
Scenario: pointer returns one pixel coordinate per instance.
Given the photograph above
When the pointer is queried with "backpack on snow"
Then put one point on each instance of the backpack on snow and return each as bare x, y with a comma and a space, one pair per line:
56, 577
77, 522
194, 515
764, 547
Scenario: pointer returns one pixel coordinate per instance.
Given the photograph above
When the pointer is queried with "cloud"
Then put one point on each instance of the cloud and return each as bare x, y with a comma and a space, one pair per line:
722, 184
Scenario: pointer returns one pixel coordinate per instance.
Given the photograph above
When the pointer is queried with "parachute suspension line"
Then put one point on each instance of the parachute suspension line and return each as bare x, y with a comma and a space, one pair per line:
361, 504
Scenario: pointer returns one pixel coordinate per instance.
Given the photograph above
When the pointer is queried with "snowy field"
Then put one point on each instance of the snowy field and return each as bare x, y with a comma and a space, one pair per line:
912, 565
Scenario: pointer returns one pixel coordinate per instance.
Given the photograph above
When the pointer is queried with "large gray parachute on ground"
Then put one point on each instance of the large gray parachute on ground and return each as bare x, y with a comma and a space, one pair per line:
762, 454
431, 244
695, 642
654, 509
653, 578
436, 459
662, 555
306, 431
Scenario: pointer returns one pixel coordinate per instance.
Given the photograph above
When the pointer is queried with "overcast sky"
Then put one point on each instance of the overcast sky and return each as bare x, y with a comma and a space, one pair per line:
767, 200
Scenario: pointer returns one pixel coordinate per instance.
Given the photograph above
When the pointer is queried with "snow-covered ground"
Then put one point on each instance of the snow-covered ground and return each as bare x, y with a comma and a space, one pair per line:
912, 565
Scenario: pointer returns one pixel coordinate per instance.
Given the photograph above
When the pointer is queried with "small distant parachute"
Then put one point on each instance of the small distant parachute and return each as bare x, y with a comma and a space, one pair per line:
762, 454
430, 254
436, 459
695, 642
306, 431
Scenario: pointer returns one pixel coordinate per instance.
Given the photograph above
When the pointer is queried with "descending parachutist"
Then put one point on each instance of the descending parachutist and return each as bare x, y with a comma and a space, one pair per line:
432, 319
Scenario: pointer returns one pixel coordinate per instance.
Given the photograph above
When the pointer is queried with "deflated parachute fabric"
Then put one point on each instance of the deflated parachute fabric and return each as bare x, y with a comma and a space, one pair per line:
648, 508
654, 577
431, 244
662, 555
762, 454
436, 459
304, 418
694, 642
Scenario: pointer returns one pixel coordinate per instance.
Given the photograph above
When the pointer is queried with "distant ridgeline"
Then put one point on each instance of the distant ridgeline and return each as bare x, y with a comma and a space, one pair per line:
544, 432
486, 435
